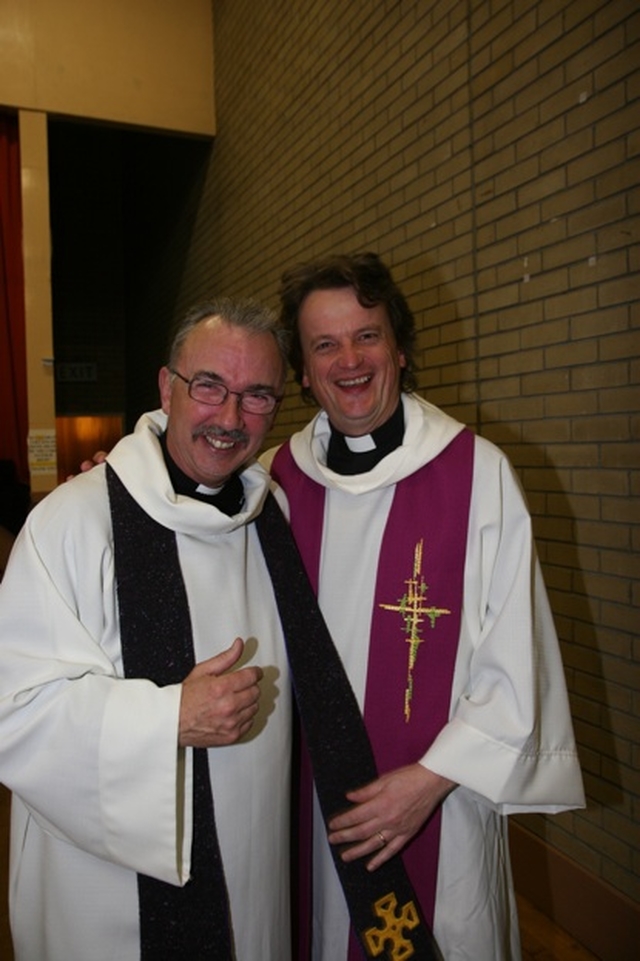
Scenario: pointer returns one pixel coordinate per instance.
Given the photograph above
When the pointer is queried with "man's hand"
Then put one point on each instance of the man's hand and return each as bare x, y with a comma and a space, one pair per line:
218, 708
99, 457
387, 813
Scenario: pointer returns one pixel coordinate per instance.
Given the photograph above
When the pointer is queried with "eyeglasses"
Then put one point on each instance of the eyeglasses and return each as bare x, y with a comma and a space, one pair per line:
204, 390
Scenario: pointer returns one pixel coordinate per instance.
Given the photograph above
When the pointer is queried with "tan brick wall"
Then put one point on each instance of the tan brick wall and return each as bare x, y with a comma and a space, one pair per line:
489, 151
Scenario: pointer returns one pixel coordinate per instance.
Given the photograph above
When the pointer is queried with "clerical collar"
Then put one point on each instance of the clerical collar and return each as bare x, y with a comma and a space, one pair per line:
228, 499
357, 455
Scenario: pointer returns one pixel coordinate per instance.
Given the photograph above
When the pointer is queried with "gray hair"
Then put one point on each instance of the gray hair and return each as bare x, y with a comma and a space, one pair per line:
247, 314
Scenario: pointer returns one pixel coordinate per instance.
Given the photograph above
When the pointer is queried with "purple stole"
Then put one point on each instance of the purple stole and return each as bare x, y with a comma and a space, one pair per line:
416, 619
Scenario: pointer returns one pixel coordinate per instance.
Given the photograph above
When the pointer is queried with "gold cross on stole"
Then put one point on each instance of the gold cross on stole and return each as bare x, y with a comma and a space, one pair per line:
410, 607
393, 930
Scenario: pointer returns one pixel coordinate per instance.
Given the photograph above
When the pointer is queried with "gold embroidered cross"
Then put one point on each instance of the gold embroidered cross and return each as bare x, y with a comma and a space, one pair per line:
393, 929
410, 607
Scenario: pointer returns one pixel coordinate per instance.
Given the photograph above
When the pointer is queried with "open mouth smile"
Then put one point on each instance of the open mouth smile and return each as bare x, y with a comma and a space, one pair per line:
222, 440
218, 443
355, 381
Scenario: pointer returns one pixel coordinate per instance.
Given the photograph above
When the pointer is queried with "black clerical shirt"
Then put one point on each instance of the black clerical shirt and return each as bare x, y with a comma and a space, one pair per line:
342, 459
229, 498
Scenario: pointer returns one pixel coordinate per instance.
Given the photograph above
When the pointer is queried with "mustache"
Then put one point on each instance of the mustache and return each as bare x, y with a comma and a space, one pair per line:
236, 435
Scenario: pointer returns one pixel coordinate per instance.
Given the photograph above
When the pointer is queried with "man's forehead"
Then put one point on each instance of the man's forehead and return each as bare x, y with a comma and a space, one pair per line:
214, 344
214, 324
206, 329
330, 314
338, 295
223, 335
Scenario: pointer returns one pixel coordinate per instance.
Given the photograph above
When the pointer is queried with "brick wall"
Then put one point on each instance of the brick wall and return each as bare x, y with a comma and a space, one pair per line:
488, 150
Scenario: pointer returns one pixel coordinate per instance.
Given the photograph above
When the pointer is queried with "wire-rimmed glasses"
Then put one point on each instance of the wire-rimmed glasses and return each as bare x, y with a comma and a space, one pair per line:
205, 390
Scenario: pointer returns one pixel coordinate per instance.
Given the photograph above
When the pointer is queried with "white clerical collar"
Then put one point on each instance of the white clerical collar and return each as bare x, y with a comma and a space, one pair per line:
360, 445
203, 489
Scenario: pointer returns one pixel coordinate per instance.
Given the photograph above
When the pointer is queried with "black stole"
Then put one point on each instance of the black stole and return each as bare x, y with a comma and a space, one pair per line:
383, 906
155, 628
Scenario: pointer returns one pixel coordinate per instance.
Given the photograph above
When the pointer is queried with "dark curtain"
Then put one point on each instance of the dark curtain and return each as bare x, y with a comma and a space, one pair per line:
13, 361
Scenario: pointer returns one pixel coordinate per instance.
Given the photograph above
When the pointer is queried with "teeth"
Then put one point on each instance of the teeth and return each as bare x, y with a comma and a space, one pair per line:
355, 381
220, 444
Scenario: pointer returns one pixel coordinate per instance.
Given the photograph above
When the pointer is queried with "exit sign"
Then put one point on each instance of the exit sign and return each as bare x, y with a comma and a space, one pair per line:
77, 372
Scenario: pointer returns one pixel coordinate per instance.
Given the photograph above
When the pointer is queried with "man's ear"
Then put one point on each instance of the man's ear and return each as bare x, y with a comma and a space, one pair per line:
165, 383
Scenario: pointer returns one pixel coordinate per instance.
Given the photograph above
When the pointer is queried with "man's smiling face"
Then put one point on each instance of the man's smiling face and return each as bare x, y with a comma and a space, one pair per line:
351, 360
210, 443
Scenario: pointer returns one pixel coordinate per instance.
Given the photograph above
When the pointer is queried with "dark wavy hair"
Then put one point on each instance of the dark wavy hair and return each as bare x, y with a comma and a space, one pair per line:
372, 283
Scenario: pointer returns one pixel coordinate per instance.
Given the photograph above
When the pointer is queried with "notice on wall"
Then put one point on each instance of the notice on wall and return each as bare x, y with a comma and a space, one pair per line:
42, 451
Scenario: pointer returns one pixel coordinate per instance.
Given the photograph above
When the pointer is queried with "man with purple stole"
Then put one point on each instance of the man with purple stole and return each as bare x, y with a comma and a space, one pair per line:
417, 540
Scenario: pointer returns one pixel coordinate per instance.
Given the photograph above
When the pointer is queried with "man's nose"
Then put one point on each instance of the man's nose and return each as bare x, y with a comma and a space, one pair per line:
230, 415
350, 355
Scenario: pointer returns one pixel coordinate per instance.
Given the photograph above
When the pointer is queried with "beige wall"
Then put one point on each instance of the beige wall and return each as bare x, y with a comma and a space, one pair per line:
490, 152
143, 62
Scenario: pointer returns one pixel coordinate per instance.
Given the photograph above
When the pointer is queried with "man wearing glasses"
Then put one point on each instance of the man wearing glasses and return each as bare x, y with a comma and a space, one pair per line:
148, 751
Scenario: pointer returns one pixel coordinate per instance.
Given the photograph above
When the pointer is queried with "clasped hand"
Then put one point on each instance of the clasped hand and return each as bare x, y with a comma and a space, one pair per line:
218, 705
387, 813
